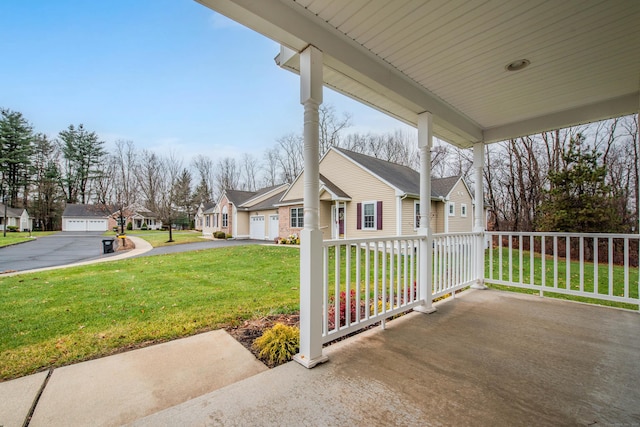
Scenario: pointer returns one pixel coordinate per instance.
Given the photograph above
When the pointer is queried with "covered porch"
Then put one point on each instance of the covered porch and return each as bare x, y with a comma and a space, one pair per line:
484, 358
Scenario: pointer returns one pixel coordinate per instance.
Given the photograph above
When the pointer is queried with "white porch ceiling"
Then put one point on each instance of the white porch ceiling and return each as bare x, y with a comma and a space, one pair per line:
405, 57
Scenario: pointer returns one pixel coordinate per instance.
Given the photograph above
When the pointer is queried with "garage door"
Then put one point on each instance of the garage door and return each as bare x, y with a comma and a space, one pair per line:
85, 225
256, 229
97, 225
274, 227
75, 224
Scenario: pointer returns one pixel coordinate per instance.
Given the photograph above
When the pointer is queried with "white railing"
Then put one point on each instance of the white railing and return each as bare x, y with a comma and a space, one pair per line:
367, 281
454, 265
599, 266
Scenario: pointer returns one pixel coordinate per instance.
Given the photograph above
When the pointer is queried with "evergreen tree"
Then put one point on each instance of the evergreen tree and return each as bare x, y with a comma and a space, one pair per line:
16, 139
183, 198
46, 205
83, 153
579, 200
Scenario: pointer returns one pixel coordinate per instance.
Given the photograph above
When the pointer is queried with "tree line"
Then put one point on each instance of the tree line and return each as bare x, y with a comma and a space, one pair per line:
576, 179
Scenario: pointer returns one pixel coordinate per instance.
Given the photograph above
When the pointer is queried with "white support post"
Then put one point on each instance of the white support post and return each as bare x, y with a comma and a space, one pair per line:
311, 265
425, 141
478, 223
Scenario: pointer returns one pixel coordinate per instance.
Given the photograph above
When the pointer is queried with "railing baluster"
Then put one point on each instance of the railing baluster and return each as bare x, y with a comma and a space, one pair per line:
543, 270
555, 261
357, 285
610, 266
347, 295
567, 256
626, 267
325, 292
596, 286
581, 240
532, 264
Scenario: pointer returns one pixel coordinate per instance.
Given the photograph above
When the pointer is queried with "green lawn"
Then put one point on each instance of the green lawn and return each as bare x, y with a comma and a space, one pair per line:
574, 276
159, 238
59, 317
13, 238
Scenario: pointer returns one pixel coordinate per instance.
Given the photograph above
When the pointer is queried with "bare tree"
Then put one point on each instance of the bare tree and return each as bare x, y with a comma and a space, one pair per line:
206, 178
227, 174
150, 176
290, 156
249, 169
331, 127
270, 168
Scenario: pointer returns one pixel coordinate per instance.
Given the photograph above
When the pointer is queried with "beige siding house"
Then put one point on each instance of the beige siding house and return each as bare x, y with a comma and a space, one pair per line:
245, 214
361, 196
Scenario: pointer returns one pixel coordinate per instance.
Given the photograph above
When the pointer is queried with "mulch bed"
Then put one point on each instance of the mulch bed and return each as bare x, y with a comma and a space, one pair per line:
249, 330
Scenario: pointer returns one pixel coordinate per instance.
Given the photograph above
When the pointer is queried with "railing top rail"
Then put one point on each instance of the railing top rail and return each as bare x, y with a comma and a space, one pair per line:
469, 233
562, 234
336, 242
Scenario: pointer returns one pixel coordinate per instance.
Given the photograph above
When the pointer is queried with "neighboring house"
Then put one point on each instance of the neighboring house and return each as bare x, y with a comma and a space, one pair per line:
16, 217
79, 217
361, 196
138, 216
199, 219
246, 214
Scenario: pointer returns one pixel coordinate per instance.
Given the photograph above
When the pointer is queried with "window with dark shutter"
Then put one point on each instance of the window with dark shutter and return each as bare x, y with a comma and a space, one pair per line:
359, 216
379, 216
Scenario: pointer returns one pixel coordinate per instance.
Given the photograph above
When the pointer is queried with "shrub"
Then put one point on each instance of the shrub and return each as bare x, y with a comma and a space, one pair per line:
129, 226
219, 234
12, 228
353, 307
228, 236
144, 226
278, 344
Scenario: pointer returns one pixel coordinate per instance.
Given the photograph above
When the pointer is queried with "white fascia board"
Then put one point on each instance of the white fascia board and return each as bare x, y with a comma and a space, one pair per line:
616, 107
295, 27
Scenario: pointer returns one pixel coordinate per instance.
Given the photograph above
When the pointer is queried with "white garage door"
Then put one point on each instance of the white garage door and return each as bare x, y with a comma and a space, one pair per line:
85, 224
256, 229
97, 225
75, 225
274, 227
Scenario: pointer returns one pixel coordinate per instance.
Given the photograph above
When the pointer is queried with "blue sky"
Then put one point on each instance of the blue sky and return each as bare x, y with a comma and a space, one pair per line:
166, 74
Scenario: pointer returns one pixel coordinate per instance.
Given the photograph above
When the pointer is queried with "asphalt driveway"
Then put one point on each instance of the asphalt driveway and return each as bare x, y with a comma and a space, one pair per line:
57, 249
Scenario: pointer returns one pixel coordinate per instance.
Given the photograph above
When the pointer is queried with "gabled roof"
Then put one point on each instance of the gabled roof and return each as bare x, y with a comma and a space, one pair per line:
402, 178
268, 203
80, 210
237, 197
12, 212
332, 188
209, 207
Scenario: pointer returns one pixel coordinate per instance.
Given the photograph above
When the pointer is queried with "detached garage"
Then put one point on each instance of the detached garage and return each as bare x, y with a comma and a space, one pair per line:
77, 217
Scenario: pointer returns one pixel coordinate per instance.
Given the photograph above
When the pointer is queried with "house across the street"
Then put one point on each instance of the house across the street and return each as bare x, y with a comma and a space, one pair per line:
16, 217
83, 217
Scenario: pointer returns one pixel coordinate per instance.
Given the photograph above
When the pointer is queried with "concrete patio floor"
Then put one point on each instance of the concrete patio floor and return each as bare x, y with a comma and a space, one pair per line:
487, 358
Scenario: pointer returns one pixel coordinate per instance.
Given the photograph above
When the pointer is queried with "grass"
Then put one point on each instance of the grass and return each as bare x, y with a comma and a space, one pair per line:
574, 277
20, 237
159, 238
55, 318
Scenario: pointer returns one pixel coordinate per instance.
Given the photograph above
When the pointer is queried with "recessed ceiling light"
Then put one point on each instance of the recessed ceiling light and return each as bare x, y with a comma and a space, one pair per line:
517, 65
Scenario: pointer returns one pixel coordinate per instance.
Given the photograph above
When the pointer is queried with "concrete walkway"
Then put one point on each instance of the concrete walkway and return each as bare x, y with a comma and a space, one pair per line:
119, 389
487, 358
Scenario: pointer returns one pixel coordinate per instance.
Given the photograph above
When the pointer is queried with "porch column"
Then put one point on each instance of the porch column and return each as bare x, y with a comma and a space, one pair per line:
311, 270
478, 223
425, 141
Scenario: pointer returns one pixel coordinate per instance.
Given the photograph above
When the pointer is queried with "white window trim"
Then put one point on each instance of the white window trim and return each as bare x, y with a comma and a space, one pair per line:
416, 213
298, 217
463, 210
451, 208
375, 215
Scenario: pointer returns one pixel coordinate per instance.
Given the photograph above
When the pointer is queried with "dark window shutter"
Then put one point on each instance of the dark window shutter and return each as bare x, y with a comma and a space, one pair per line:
379, 215
359, 216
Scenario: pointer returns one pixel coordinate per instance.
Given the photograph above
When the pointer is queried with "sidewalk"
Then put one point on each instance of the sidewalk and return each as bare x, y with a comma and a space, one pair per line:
122, 388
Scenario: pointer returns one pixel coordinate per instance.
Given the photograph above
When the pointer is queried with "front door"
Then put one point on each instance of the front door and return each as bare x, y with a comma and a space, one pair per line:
338, 222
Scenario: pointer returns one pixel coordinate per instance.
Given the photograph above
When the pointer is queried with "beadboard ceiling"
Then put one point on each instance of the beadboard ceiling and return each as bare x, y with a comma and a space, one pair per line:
449, 57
